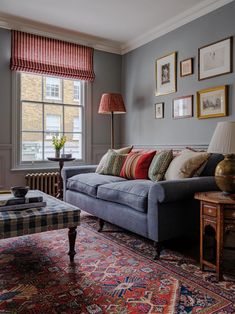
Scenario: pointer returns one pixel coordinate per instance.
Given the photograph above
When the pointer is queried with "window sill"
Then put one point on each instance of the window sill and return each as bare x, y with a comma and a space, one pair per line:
45, 166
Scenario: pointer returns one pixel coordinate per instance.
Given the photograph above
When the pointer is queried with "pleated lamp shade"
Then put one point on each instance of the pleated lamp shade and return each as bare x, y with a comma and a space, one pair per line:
223, 142
111, 102
223, 139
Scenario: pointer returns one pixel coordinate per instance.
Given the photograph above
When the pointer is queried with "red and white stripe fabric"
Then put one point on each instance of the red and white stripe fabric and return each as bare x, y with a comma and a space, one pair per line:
38, 54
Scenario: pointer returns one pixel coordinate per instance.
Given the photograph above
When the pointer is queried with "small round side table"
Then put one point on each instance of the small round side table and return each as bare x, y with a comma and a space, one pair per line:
61, 164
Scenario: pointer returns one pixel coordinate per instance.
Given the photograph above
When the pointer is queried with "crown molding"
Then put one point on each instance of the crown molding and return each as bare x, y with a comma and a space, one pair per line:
197, 11
13, 22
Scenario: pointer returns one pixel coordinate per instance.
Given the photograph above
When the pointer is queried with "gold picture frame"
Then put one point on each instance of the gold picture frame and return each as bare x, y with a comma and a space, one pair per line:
212, 102
165, 71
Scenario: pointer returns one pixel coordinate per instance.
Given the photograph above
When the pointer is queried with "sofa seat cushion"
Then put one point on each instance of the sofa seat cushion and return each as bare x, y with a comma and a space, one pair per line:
88, 183
133, 193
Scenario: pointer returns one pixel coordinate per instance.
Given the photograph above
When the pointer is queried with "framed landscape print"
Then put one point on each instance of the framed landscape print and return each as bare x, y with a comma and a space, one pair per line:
186, 67
182, 107
212, 103
166, 74
215, 59
159, 110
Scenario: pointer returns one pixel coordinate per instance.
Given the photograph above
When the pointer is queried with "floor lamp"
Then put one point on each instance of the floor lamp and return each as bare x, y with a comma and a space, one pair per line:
112, 103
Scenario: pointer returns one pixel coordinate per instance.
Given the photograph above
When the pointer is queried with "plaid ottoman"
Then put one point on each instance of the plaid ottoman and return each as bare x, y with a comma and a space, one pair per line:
56, 215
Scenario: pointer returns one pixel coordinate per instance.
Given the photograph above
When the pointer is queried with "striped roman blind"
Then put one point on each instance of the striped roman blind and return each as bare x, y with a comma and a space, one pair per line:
39, 54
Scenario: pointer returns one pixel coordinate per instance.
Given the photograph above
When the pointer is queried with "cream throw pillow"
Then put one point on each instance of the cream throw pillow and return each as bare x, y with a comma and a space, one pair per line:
186, 164
124, 150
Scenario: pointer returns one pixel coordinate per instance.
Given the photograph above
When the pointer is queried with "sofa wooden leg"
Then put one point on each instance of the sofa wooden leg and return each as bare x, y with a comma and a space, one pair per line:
101, 224
157, 250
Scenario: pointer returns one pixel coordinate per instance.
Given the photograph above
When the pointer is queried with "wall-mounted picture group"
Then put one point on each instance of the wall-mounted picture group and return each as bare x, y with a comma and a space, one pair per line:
213, 60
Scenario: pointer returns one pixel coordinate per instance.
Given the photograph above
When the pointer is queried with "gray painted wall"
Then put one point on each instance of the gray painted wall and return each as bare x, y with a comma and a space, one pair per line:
108, 78
139, 127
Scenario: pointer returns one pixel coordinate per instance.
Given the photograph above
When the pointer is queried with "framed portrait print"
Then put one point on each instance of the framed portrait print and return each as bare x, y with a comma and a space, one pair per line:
186, 67
165, 68
212, 102
159, 110
215, 59
182, 107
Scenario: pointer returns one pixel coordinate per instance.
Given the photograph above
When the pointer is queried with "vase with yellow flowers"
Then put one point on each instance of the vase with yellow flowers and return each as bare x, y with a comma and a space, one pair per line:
58, 143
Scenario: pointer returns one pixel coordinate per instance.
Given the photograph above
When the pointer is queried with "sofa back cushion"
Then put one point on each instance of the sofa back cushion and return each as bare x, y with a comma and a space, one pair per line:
159, 165
124, 150
186, 164
136, 165
113, 163
209, 169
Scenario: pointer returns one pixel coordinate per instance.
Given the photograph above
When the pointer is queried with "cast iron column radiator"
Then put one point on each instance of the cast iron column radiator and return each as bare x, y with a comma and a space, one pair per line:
45, 182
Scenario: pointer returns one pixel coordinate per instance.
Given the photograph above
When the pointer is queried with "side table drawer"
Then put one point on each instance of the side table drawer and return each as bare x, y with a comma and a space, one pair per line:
209, 210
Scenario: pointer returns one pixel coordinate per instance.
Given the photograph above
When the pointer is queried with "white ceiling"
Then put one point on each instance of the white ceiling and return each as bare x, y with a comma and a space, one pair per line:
121, 22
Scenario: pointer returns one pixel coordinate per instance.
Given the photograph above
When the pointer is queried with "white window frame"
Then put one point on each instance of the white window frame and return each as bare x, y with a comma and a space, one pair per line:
86, 101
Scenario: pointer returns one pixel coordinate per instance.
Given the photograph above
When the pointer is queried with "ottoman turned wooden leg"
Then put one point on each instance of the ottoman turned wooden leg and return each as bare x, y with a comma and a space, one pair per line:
72, 233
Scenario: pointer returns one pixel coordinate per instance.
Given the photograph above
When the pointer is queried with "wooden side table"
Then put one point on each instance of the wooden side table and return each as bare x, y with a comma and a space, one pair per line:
217, 211
61, 164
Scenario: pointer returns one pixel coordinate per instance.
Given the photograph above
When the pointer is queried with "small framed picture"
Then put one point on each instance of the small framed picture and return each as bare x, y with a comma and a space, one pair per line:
215, 59
182, 107
159, 110
186, 67
166, 74
212, 102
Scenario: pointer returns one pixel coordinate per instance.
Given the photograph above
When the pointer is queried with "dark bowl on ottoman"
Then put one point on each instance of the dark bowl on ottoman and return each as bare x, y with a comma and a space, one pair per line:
19, 191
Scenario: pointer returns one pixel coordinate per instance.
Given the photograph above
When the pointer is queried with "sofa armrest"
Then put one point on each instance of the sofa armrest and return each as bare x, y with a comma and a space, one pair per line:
68, 172
176, 190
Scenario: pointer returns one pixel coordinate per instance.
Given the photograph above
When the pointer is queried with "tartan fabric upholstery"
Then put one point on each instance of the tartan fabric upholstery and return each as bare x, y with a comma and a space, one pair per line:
56, 215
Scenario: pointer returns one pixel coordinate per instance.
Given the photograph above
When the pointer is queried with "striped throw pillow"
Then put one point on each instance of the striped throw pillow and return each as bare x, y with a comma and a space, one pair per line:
136, 165
124, 150
113, 163
159, 165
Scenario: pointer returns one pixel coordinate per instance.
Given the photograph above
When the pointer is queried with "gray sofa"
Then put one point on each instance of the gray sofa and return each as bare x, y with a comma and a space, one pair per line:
156, 210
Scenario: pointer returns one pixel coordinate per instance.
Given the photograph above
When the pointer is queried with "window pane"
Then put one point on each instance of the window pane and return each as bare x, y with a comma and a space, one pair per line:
52, 89
49, 150
53, 120
31, 117
72, 92
31, 87
72, 119
73, 146
31, 146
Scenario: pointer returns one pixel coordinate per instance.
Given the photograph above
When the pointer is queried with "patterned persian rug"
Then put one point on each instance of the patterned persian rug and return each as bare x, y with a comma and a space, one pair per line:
113, 273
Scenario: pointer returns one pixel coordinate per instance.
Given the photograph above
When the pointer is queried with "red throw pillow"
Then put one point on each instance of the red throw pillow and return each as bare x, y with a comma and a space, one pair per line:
136, 165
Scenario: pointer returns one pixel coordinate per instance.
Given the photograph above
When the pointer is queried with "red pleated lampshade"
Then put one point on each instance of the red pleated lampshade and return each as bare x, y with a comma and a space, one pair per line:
111, 102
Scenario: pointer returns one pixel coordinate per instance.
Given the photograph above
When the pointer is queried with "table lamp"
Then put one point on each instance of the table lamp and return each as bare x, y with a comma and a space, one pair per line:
223, 142
112, 103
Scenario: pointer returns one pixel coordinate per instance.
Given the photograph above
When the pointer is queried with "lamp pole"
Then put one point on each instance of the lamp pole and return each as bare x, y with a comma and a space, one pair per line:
112, 130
